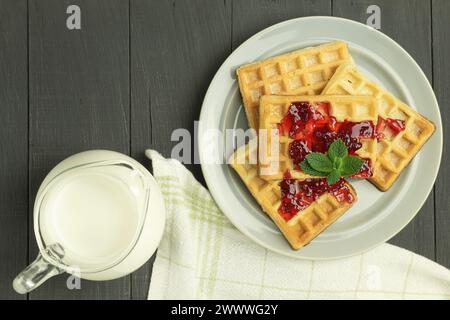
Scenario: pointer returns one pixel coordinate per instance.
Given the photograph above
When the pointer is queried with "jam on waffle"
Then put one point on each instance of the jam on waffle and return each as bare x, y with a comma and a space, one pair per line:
300, 209
310, 124
313, 130
297, 195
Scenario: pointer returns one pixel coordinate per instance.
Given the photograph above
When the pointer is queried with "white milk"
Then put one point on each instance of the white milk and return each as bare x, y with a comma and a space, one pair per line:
101, 212
93, 215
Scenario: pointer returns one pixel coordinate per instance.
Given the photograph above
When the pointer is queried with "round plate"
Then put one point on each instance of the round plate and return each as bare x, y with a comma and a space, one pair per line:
376, 216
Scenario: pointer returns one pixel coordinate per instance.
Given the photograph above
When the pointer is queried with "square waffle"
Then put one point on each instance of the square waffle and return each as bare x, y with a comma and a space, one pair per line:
301, 72
306, 224
394, 151
273, 109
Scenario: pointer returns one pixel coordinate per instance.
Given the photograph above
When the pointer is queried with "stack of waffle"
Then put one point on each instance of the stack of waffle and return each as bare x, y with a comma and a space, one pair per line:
328, 74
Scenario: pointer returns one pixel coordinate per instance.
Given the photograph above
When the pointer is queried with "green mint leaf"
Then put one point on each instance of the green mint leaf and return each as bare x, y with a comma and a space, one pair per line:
337, 163
333, 177
351, 165
304, 165
337, 150
320, 162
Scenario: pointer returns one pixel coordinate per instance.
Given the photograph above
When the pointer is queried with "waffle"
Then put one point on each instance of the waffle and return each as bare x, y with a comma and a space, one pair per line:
307, 224
273, 109
301, 72
395, 151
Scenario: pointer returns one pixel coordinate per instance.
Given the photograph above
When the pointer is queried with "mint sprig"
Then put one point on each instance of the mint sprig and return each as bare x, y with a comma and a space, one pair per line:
306, 167
333, 165
351, 165
320, 161
337, 150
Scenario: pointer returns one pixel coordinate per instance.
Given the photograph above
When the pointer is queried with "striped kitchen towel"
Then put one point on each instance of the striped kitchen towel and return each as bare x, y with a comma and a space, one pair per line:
203, 256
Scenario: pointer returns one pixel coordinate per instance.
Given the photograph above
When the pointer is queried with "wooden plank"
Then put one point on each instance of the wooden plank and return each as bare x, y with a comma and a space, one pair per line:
251, 16
176, 48
79, 99
441, 51
13, 143
409, 23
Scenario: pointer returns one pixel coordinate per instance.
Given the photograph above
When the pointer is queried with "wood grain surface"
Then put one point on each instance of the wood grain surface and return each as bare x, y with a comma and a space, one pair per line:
13, 143
441, 83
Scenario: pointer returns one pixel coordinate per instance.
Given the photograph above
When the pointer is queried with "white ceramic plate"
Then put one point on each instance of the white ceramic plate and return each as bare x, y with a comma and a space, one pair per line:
377, 216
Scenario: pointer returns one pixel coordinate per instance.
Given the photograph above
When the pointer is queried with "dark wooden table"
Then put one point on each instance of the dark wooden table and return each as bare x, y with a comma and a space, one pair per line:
139, 69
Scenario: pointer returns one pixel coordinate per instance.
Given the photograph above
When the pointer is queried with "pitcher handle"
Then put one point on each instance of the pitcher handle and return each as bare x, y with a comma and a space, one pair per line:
35, 274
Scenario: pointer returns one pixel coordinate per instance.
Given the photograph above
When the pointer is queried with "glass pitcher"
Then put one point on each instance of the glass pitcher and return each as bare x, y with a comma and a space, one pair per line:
99, 215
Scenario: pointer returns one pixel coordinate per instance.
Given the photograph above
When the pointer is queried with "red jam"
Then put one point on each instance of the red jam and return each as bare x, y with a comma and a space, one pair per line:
396, 125
314, 130
298, 195
298, 149
365, 171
